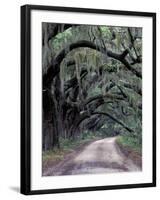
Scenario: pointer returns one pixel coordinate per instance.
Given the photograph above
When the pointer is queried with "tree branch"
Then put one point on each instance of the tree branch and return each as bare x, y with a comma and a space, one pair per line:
114, 119
110, 96
54, 69
85, 116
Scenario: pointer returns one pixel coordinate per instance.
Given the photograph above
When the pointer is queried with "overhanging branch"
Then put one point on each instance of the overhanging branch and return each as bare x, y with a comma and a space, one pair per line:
54, 69
85, 116
114, 119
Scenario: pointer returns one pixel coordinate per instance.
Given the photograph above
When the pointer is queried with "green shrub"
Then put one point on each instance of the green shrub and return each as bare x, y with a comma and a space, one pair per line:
132, 142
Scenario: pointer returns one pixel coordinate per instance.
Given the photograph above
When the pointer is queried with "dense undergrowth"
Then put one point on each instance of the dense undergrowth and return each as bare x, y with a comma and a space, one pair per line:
132, 143
67, 146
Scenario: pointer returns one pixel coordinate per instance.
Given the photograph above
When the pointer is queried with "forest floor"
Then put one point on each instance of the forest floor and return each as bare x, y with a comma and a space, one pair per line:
100, 156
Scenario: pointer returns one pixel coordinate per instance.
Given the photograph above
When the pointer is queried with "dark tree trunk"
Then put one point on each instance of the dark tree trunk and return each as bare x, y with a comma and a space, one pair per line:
49, 124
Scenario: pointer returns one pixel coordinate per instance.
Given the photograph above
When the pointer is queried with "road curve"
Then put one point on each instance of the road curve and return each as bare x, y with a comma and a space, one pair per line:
101, 156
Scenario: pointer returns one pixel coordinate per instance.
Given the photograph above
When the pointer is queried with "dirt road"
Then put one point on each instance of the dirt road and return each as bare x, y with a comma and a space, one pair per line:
101, 156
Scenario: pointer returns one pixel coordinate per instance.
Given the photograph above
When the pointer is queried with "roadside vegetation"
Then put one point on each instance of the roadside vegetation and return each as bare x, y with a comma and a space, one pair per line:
68, 146
132, 143
131, 147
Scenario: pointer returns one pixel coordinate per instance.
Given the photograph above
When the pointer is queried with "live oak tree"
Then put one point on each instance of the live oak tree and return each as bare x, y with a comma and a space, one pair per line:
91, 79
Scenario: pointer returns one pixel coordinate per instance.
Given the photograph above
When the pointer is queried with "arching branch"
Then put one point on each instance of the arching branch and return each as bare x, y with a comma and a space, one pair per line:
54, 69
85, 116
114, 119
110, 96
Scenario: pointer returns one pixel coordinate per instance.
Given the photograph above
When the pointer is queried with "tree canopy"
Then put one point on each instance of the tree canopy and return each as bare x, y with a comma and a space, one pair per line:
92, 81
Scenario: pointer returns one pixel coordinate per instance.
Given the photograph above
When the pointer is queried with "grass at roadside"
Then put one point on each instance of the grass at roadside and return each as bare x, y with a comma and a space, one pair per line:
131, 147
130, 142
67, 146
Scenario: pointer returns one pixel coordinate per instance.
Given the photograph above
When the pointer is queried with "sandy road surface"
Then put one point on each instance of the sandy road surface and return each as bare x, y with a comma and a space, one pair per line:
101, 156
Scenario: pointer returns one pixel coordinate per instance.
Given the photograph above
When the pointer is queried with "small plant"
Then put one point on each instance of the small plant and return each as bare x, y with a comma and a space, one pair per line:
133, 143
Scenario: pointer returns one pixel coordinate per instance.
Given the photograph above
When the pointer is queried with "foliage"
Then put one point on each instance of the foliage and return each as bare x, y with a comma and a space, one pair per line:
67, 146
102, 74
131, 142
61, 39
